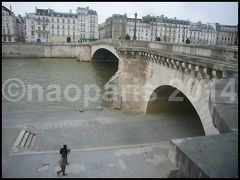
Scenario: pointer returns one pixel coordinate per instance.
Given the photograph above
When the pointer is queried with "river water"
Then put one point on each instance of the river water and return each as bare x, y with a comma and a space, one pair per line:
47, 73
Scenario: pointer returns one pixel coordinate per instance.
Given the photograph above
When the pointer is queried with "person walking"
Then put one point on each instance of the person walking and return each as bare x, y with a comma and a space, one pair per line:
62, 163
65, 151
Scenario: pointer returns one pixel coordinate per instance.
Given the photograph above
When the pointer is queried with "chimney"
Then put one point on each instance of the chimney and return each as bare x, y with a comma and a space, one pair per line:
11, 8
70, 11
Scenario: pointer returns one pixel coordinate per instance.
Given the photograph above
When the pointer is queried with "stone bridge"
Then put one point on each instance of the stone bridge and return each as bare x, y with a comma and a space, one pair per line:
154, 76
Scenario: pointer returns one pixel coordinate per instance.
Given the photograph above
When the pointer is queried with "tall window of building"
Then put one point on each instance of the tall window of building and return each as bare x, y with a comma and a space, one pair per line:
63, 33
68, 20
58, 33
73, 21
62, 20
68, 27
32, 33
63, 26
52, 19
52, 25
73, 26
3, 31
57, 20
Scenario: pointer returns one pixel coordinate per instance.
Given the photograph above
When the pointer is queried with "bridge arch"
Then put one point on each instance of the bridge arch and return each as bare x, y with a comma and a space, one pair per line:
168, 99
194, 88
104, 51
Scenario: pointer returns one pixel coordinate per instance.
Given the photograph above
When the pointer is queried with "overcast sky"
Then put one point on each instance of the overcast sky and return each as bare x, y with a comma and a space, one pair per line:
220, 12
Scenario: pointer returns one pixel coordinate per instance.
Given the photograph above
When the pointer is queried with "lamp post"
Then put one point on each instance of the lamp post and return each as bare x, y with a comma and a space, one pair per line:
134, 36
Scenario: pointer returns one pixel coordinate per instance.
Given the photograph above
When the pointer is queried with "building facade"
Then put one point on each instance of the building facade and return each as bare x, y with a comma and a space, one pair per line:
114, 27
46, 25
12, 26
150, 28
227, 35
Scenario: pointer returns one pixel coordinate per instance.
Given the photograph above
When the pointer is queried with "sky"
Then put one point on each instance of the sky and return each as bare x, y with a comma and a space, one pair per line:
213, 12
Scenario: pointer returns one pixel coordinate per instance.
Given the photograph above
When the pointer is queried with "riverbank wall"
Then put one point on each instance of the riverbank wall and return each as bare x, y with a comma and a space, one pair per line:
33, 50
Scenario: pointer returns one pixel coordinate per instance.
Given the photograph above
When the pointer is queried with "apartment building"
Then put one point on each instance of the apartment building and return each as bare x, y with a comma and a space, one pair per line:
12, 26
151, 28
46, 25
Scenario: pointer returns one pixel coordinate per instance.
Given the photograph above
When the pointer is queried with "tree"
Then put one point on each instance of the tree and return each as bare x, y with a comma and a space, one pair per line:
127, 37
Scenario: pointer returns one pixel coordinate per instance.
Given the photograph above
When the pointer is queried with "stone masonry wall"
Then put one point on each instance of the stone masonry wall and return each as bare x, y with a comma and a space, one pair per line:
31, 50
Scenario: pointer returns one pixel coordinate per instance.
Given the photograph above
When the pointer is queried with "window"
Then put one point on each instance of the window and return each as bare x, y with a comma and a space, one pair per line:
32, 33
57, 32
52, 20
73, 26
62, 20
3, 31
73, 21
68, 27
68, 20
63, 33
63, 26
39, 28
52, 25
8, 31
57, 20
58, 26
52, 32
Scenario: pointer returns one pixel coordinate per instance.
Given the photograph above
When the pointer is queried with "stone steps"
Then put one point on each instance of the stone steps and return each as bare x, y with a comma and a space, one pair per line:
24, 141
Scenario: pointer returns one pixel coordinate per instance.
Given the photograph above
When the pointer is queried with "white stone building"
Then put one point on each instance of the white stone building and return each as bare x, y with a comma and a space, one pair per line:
46, 25
11, 26
151, 28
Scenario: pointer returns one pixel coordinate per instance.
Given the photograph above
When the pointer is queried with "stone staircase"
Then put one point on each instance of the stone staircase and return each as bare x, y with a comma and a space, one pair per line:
24, 141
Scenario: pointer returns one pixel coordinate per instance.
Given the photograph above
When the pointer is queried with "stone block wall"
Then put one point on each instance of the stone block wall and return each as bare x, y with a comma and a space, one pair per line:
32, 50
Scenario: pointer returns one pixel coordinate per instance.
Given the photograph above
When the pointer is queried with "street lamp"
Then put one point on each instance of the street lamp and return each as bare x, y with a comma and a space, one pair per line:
134, 36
